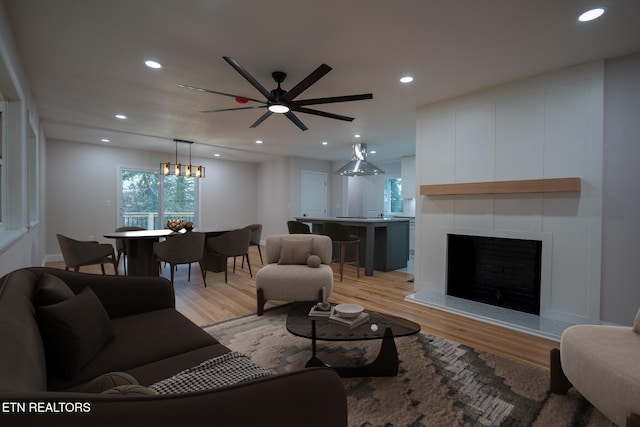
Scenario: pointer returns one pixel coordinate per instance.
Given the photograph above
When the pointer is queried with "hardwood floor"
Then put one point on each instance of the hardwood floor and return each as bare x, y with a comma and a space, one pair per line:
383, 292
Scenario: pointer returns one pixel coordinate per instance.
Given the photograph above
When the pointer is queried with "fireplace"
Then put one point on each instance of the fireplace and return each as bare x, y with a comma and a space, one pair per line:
504, 272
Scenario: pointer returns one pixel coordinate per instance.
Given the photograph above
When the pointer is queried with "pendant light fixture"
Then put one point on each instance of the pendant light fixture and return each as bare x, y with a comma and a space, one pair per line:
177, 169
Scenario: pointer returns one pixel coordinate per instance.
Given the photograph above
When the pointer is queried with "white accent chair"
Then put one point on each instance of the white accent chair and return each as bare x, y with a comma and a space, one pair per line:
601, 362
291, 274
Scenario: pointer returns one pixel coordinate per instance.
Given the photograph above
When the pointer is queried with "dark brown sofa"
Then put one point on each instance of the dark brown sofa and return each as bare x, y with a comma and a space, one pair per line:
152, 341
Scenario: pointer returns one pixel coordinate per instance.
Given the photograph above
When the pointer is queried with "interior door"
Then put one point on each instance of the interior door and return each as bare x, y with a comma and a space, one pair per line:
313, 194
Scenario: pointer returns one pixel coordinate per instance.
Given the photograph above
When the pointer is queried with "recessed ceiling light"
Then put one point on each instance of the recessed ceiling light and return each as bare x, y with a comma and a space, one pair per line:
325, 143
105, 140
357, 135
591, 14
216, 155
259, 141
406, 79
372, 152
153, 64
121, 116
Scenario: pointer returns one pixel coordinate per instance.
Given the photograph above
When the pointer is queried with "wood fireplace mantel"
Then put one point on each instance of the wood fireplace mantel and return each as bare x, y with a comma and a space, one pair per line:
549, 185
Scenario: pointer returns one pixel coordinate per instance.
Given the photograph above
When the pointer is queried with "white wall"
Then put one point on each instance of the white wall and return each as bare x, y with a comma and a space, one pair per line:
621, 227
274, 196
544, 127
82, 177
21, 241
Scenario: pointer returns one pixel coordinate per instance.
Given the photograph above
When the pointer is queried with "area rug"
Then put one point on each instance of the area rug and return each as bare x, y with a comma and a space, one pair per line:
440, 382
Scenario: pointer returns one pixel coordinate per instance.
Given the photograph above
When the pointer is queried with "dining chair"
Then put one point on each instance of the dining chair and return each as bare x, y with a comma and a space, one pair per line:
78, 253
121, 247
231, 245
254, 240
297, 227
341, 235
182, 248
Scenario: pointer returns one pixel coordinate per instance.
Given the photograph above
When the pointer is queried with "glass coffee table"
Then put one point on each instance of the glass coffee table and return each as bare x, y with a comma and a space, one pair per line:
299, 323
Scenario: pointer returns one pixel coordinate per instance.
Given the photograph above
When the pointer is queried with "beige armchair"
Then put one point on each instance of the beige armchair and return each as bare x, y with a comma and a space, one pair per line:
184, 248
78, 253
291, 273
600, 361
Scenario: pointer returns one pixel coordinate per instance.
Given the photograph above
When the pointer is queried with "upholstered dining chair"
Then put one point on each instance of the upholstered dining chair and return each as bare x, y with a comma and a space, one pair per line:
78, 253
121, 247
297, 227
254, 240
341, 235
231, 244
182, 248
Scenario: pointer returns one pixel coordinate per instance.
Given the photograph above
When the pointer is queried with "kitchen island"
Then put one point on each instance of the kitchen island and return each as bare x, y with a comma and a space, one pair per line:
383, 240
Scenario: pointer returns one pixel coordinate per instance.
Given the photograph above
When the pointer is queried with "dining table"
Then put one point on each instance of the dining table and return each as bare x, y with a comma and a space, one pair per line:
141, 260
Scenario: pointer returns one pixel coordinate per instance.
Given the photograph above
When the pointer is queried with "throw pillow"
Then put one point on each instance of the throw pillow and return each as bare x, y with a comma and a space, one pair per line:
108, 381
129, 390
74, 331
636, 323
52, 290
314, 261
295, 251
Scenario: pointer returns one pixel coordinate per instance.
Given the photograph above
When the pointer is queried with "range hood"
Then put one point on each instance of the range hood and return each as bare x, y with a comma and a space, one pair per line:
358, 166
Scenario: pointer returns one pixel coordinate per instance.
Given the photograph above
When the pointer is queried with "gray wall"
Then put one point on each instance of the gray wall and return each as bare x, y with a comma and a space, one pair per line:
620, 297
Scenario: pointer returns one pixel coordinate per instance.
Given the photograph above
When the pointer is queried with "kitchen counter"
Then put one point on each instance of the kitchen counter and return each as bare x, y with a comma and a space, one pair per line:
384, 240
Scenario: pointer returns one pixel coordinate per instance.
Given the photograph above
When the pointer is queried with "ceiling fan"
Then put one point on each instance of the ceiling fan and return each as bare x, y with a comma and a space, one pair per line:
281, 101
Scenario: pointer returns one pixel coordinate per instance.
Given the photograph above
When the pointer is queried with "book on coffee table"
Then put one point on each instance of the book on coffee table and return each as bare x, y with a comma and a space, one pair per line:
351, 323
320, 314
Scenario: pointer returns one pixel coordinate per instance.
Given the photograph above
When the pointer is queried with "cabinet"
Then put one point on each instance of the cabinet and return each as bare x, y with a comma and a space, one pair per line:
412, 237
408, 175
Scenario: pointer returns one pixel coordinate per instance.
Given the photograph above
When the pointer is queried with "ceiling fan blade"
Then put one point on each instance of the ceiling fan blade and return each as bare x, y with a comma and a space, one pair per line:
307, 82
295, 120
261, 119
322, 113
233, 109
199, 89
332, 99
247, 76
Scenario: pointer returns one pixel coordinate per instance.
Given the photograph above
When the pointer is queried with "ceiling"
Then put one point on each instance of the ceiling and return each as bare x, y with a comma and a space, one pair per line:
84, 62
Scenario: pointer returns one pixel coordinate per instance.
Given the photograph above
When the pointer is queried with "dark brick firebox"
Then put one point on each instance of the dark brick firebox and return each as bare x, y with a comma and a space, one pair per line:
497, 271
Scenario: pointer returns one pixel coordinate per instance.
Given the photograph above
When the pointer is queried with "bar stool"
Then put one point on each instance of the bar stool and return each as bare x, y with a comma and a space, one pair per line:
296, 227
341, 235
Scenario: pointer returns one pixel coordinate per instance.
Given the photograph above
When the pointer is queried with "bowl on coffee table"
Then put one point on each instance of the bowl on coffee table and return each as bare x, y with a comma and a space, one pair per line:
348, 311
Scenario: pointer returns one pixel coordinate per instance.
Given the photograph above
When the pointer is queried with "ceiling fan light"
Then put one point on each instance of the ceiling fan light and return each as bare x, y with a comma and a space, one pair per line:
278, 108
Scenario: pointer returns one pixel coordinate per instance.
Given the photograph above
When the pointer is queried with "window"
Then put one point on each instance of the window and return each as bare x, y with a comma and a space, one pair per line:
32, 175
393, 195
145, 192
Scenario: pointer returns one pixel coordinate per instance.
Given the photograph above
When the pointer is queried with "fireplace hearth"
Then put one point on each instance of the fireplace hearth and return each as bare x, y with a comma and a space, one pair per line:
503, 272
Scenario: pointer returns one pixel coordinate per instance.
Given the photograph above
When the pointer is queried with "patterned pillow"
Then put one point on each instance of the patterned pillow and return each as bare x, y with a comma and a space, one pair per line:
108, 381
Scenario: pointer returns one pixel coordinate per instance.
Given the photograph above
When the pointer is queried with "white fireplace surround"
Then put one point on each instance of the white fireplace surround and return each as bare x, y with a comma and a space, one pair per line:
549, 126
